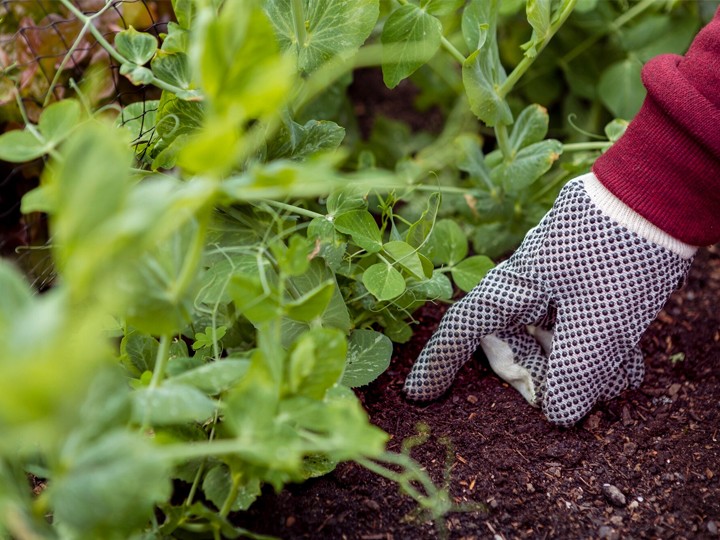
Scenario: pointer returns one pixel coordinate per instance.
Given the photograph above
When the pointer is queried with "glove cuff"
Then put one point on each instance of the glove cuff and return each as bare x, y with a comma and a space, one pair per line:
620, 212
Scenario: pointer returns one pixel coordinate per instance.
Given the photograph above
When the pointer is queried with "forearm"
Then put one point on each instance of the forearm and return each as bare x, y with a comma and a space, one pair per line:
667, 165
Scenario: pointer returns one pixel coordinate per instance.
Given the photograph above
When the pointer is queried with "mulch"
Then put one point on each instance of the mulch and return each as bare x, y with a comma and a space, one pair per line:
644, 465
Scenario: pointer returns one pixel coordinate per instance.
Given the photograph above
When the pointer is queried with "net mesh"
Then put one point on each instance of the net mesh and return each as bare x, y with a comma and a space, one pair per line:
45, 56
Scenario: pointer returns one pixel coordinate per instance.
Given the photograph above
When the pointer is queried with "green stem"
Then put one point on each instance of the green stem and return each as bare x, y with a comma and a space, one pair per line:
582, 147
97, 34
192, 259
292, 208
231, 496
528, 61
449, 47
299, 19
161, 361
503, 140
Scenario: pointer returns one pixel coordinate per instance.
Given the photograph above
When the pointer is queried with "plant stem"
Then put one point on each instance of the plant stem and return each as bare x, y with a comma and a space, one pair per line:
584, 146
449, 47
292, 208
231, 496
528, 61
501, 134
299, 19
161, 361
187, 273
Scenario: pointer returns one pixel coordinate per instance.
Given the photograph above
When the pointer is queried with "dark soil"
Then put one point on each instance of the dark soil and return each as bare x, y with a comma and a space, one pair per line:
659, 446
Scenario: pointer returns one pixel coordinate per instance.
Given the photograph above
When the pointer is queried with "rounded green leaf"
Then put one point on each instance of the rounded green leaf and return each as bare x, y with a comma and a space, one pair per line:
171, 404
615, 129
172, 68
137, 47
368, 356
621, 88
361, 225
18, 146
470, 272
331, 28
407, 257
383, 281
531, 126
410, 38
447, 243
59, 119
530, 163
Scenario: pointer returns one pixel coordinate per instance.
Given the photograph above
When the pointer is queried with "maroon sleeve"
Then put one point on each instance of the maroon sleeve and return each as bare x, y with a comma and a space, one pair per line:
667, 164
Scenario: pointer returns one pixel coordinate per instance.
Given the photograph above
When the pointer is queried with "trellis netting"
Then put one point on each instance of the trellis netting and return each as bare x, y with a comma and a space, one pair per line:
47, 55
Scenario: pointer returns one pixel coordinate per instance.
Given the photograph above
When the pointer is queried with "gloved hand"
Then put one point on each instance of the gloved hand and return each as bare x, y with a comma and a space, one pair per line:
593, 271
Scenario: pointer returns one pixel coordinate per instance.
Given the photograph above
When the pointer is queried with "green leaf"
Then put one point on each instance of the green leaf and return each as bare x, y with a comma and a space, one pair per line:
138, 352
207, 339
110, 487
473, 161
184, 12
137, 75
252, 300
447, 244
383, 281
621, 89
477, 21
361, 225
332, 244
136, 47
529, 164
482, 76
58, 120
331, 28
419, 231
615, 129
292, 259
658, 34
438, 287
531, 126
442, 7
470, 272
299, 142
19, 146
139, 120
368, 356
344, 200
238, 63
171, 403
407, 257
538, 15
311, 304
410, 38
316, 363
214, 377
16, 294
217, 486
172, 68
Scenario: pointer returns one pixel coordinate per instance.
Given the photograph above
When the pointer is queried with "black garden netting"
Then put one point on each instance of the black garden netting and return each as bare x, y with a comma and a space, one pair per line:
47, 54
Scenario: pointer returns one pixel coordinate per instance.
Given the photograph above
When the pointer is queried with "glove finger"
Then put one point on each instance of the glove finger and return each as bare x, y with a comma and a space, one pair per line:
504, 298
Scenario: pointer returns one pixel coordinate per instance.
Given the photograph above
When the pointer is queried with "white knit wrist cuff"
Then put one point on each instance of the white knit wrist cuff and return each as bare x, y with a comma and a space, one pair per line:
617, 210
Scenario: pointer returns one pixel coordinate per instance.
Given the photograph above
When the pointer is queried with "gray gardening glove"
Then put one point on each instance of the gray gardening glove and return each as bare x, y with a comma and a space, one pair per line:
595, 271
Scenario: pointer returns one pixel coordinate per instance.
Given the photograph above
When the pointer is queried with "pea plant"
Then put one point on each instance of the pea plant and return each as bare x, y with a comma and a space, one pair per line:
232, 260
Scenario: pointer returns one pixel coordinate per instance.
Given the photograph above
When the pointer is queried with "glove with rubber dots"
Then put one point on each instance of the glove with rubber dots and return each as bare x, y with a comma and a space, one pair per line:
593, 272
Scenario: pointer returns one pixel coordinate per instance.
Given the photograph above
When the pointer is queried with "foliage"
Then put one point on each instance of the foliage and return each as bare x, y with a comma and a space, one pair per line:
228, 252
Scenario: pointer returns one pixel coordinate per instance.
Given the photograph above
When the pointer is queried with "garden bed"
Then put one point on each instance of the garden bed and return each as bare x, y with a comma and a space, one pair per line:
657, 445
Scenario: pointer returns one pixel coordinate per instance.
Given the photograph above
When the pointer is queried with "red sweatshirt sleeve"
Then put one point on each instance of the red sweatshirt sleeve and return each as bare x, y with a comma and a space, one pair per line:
667, 164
